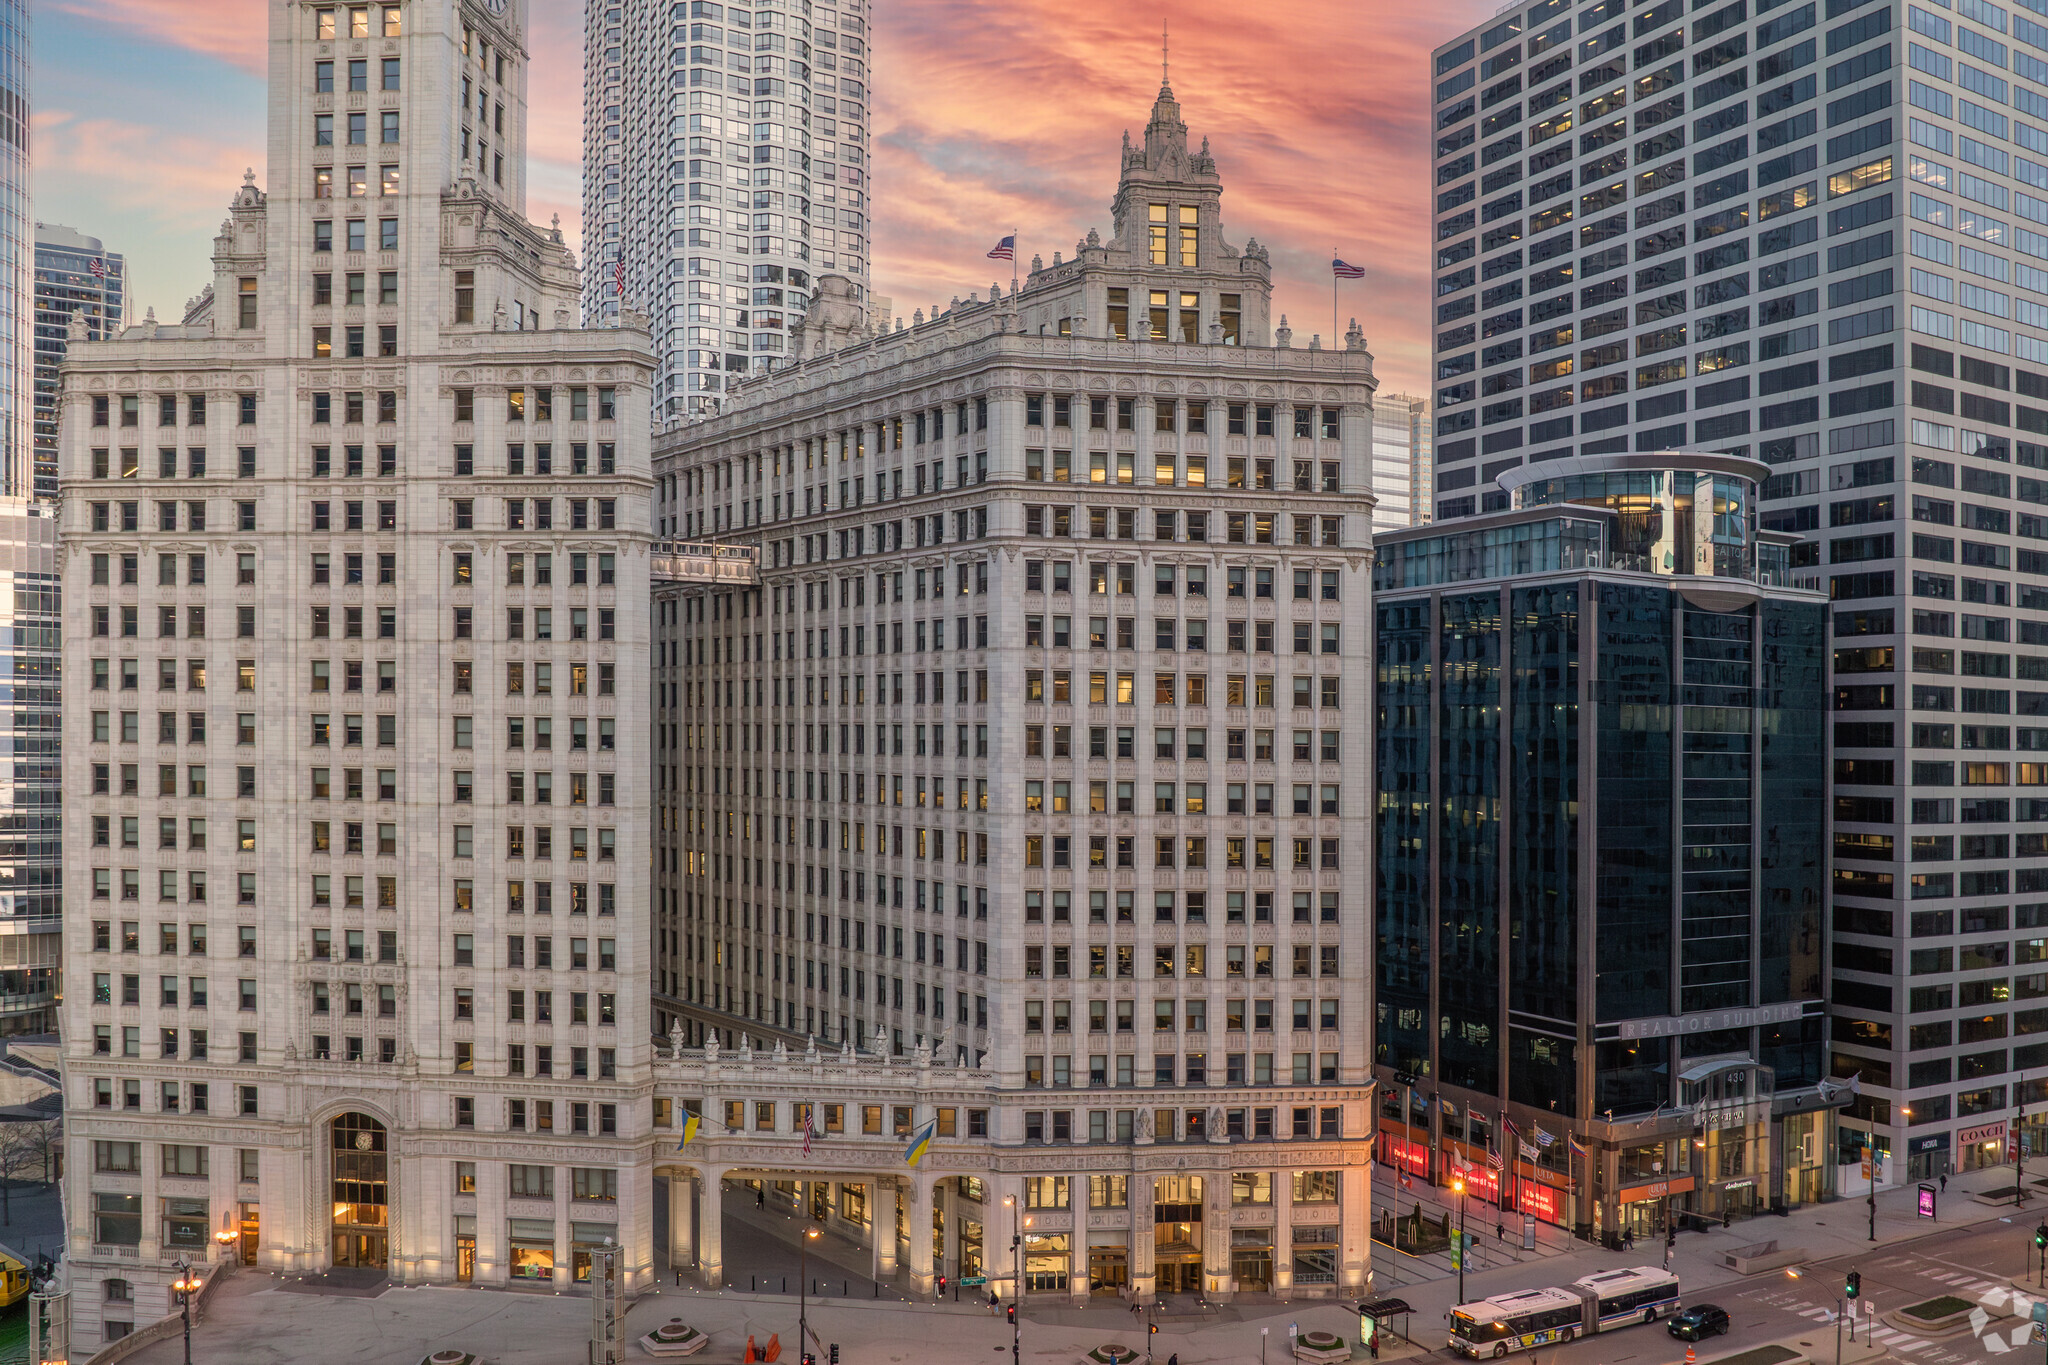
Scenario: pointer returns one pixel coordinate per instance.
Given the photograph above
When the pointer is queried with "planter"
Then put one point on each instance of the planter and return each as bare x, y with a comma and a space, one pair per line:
451, 1356
1111, 1353
673, 1340
1321, 1348
1943, 1316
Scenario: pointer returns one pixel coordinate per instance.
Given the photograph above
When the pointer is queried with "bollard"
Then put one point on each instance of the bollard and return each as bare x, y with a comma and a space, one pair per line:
785, 1284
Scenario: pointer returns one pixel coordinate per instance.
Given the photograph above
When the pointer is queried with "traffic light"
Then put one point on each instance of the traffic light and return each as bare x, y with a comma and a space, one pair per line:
1154, 1331
2041, 1235
1855, 1285
835, 1353
1013, 1315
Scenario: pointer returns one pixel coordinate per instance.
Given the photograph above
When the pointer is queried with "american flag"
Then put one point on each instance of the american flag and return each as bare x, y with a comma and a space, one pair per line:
1005, 250
1493, 1158
98, 268
619, 275
808, 1129
1344, 270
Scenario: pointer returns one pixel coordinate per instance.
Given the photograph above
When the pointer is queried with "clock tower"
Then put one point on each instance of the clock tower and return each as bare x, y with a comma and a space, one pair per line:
397, 521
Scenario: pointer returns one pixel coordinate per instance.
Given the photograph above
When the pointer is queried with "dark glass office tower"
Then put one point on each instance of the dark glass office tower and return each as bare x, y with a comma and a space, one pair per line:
1601, 833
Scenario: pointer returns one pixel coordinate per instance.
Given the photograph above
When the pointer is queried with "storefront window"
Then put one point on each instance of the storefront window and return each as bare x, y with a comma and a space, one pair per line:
1315, 1255
186, 1225
533, 1248
585, 1238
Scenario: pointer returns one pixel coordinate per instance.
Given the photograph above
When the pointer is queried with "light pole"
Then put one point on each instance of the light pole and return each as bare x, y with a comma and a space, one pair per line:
183, 1287
803, 1296
1793, 1273
1016, 1276
1457, 1188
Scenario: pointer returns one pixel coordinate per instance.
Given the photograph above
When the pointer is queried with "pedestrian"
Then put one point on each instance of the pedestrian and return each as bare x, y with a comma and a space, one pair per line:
1136, 1308
1500, 1232
1173, 1359
1944, 1182
1628, 1239
993, 1303
1372, 1344
761, 1197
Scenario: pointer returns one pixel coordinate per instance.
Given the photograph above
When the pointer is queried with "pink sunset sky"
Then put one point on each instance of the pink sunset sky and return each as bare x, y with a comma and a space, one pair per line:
987, 116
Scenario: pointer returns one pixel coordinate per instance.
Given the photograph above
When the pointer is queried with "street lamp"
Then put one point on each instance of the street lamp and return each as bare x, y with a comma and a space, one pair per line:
1016, 1276
1793, 1272
1458, 1188
803, 1295
183, 1286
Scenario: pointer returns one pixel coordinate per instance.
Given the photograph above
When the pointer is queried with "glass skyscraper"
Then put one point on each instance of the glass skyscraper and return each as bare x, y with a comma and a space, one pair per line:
16, 236
74, 274
1601, 815
1816, 234
726, 164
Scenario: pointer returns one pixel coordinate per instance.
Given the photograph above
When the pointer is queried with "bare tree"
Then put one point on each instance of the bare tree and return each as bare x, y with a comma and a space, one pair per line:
24, 1148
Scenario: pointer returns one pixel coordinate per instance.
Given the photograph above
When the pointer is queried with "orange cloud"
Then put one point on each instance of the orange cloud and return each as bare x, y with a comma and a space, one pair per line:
990, 116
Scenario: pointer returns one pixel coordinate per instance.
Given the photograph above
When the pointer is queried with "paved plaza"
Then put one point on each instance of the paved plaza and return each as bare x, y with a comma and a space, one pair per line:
258, 1319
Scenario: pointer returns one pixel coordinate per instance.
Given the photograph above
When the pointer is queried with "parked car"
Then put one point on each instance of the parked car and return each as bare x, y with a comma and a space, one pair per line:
1700, 1320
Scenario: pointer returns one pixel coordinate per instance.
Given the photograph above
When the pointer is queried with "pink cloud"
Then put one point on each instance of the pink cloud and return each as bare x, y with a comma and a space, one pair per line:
987, 115
231, 30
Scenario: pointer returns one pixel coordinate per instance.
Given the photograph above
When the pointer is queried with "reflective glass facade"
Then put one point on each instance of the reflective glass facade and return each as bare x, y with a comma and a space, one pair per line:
17, 321
68, 283
1600, 815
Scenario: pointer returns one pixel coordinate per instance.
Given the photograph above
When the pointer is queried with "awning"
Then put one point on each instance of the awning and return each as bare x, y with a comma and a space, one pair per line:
1379, 1310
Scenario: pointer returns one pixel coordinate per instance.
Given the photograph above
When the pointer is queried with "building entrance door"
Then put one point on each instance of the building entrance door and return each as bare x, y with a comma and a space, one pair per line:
1180, 1273
362, 1192
1108, 1270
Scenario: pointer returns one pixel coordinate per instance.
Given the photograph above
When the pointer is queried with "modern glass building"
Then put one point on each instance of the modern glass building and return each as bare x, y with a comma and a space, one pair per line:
31, 818
75, 274
16, 236
1601, 752
726, 164
1815, 233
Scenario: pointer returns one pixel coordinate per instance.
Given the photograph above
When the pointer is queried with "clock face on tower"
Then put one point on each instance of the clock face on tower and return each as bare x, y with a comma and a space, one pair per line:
496, 7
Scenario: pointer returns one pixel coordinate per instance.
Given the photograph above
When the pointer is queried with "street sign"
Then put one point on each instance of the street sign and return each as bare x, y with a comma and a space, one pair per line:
966, 1280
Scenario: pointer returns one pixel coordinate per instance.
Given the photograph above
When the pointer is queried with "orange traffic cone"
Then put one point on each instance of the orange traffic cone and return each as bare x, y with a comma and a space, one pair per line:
751, 1356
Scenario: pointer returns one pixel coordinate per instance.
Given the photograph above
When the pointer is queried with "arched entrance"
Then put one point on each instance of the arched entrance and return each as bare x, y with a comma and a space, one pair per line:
362, 1189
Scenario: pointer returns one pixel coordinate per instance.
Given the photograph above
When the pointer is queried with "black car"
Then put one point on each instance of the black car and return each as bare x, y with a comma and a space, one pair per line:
1700, 1320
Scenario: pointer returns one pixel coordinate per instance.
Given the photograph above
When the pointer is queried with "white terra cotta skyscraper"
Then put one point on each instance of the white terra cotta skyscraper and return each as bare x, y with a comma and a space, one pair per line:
355, 581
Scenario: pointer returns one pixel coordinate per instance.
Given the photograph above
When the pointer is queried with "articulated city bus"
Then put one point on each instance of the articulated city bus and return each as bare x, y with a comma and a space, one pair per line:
1540, 1317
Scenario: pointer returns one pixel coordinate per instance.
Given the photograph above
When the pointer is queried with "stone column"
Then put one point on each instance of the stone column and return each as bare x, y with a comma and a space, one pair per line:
922, 1195
710, 1239
1216, 1235
1077, 1271
1355, 1230
1283, 1234
883, 1212
682, 1231
1144, 1265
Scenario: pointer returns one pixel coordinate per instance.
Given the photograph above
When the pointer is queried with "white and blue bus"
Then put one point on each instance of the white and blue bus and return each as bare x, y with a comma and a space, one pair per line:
1531, 1318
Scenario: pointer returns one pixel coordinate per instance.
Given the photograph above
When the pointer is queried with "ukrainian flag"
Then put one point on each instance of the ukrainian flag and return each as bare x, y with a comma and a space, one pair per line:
914, 1153
690, 1122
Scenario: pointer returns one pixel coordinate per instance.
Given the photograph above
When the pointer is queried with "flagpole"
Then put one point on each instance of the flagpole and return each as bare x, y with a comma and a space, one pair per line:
1014, 235
1333, 298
